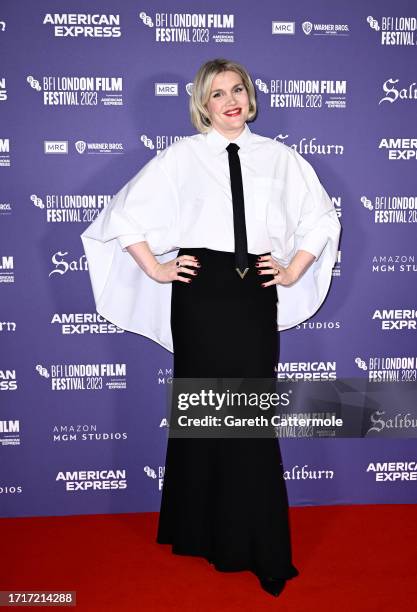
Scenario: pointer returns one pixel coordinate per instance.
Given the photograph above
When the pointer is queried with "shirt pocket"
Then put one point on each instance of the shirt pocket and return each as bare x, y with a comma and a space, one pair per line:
264, 192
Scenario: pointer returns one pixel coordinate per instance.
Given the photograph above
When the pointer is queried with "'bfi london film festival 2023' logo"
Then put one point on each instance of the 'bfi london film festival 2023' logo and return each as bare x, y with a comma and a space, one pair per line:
395, 31
388, 369
70, 208
391, 209
84, 376
193, 28
79, 90
304, 93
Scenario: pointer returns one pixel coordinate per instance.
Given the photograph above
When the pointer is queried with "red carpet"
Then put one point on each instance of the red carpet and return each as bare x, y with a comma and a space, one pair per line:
350, 558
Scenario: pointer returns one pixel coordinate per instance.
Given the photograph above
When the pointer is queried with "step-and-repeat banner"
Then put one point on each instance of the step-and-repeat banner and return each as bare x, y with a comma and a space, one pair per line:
90, 92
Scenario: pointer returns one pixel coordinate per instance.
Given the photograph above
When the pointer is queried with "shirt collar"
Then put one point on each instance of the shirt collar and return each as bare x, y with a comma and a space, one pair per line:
218, 143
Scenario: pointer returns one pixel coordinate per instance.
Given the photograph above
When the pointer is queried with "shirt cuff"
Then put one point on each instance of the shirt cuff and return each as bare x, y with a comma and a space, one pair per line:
128, 239
313, 242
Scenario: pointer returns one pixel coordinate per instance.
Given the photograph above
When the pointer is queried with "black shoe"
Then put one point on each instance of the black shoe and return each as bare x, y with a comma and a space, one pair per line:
272, 585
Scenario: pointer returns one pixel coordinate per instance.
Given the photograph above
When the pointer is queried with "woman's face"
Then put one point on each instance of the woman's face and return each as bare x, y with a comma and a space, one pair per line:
228, 104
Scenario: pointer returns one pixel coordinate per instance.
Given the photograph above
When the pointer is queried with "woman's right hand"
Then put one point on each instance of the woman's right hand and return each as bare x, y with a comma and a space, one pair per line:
170, 271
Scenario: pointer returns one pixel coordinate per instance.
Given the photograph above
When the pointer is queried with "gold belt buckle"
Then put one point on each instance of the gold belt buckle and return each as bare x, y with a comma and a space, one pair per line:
241, 274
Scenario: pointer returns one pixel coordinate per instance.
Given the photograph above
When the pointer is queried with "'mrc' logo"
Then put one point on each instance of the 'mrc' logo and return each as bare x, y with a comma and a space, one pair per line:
283, 27
55, 146
166, 89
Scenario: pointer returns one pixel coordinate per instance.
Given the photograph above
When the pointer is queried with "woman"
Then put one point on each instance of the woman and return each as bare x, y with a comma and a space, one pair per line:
223, 499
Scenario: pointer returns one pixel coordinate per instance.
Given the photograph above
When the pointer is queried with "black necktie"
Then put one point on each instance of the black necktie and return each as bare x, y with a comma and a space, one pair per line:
241, 244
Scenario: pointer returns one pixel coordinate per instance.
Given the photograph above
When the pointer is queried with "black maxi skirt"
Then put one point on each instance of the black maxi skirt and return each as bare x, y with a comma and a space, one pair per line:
225, 499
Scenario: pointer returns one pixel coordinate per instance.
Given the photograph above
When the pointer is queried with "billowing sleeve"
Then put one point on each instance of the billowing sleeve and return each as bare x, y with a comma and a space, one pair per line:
146, 208
303, 217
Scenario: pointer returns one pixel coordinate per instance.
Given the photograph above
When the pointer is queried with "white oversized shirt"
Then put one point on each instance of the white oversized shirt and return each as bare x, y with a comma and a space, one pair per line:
182, 198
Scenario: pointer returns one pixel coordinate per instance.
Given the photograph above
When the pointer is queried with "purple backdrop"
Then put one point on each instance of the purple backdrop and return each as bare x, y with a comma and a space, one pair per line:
88, 94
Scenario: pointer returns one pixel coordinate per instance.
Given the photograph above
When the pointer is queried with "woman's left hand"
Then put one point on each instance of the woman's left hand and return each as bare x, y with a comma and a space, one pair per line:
266, 264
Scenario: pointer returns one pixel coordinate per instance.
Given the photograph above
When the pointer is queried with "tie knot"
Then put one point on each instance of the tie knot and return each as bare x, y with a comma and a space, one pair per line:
232, 148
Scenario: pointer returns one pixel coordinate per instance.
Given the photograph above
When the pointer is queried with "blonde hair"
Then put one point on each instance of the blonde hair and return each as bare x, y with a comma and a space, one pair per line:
201, 91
